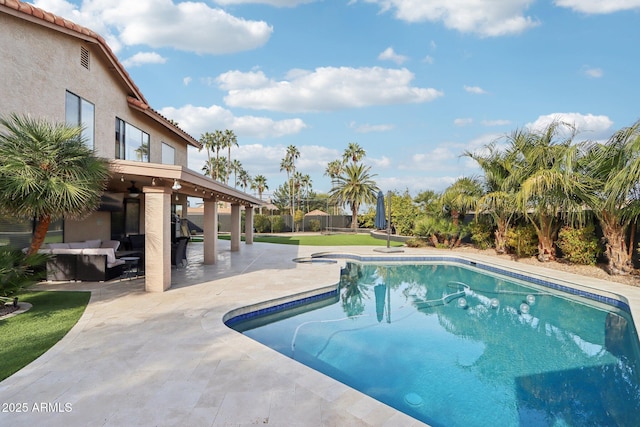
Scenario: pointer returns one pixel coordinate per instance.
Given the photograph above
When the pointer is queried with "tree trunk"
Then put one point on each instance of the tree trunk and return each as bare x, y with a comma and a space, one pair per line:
616, 247
354, 217
546, 236
501, 237
39, 235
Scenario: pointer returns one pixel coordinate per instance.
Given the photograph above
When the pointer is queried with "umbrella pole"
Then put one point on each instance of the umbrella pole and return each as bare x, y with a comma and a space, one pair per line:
389, 221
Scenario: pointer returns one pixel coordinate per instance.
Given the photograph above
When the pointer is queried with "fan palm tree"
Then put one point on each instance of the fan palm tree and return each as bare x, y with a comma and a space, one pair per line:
499, 200
236, 168
244, 178
353, 152
546, 166
47, 172
354, 187
259, 183
229, 140
333, 170
461, 197
211, 141
615, 169
286, 165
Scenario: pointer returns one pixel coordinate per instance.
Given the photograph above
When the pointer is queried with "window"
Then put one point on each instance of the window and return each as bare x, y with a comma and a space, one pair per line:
168, 154
80, 112
131, 142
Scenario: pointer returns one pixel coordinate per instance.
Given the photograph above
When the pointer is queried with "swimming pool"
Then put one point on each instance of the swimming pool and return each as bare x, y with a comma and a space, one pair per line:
453, 344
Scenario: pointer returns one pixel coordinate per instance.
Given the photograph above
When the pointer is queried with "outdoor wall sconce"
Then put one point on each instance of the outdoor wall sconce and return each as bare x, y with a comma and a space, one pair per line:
153, 182
121, 178
176, 185
133, 190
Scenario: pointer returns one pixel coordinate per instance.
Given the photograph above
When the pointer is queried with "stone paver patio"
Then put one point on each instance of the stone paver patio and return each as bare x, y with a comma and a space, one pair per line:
166, 359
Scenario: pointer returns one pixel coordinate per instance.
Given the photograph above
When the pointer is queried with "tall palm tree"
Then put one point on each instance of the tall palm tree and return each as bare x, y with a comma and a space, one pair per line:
499, 200
354, 187
244, 178
305, 182
615, 170
259, 183
47, 173
353, 152
286, 165
290, 158
208, 143
236, 168
333, 170
229, 140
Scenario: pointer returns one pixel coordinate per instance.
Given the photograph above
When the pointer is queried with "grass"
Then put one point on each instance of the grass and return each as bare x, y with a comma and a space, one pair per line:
25, 337
323, 240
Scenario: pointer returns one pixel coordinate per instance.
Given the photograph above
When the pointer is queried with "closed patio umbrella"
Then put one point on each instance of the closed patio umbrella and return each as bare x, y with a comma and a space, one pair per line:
381, 219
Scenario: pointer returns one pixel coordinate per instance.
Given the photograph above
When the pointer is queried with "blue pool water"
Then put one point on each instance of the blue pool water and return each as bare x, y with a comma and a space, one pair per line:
453, 345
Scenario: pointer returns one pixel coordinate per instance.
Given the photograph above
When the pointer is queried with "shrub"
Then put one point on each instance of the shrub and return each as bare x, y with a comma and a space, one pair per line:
522, 240
579, 245
262, 224
416, 242
314, 225
481, 234
278, 223
441, 232
19, 271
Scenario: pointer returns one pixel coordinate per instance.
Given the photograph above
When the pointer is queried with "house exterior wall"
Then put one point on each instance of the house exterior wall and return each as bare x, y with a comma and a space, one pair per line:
39, 65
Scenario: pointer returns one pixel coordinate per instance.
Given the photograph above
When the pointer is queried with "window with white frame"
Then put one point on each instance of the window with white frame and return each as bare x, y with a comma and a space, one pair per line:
131, 142
80, 112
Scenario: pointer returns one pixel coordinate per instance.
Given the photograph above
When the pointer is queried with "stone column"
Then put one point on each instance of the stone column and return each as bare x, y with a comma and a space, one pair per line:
210, 228
248, 225
235, 227
157, 246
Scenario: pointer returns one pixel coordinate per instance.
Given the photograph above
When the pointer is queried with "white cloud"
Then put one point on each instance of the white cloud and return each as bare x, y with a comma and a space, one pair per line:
142, 58
323, 89
595, 73
498, 122
197, 120
367, 128
599, 6
187, 81
466, 121
382, 163
390, 55
428, 59
487, 18
475, 90
162, 23
595, 126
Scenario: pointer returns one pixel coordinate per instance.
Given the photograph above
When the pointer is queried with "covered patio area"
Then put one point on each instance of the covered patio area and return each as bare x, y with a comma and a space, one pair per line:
160, 189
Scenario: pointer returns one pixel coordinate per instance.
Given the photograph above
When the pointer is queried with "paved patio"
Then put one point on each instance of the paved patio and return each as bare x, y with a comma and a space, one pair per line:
166, 359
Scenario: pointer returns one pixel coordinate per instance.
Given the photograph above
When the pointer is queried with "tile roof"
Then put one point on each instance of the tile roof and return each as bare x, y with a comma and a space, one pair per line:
136, 99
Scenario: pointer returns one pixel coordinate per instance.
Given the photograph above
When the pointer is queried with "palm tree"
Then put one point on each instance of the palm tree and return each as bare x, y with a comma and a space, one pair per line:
355, 187
499, 200
259, 183
286, 164
229, 140
47, 173
333, 170
353, 152
236, 168
305, 182
208, 143
615, 169
550, 186
290, 162
461, 197
244, 178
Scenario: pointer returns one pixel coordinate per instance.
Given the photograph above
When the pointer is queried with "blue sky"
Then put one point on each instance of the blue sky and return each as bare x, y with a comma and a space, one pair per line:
414, 82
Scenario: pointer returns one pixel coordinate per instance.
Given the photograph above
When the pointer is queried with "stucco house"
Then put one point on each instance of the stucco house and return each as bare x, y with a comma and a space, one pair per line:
56, 69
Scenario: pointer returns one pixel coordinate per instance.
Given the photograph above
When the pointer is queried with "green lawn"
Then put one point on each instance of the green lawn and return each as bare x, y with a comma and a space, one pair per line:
23, 338
323, 240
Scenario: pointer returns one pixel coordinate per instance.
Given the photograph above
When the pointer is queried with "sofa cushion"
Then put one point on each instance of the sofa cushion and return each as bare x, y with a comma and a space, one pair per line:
96, 243
109, 252
59, 246
113, 244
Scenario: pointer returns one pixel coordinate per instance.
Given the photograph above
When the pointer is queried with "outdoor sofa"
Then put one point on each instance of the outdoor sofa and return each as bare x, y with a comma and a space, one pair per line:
91, 260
